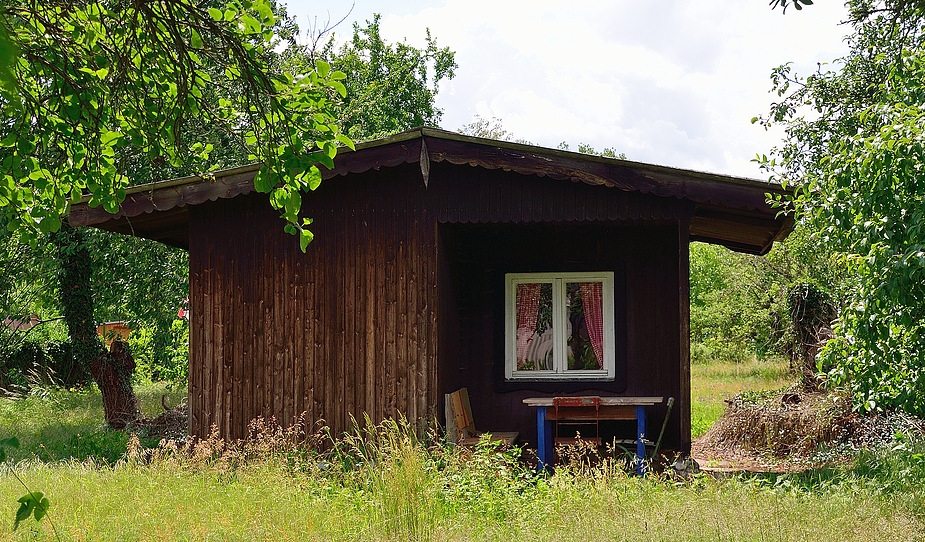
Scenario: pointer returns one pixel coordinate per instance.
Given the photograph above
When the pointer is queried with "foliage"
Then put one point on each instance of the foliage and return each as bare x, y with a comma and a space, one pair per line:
490, 128
854, 152
33, 503
168, 363
40, 363
26, 271
74, 281
390, 87
98, 84
738, 304
585, 148
144, 283
797, 4
493, 128
811, 314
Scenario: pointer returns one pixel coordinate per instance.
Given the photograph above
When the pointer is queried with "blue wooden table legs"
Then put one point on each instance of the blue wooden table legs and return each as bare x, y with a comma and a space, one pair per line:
640, 440
545, 439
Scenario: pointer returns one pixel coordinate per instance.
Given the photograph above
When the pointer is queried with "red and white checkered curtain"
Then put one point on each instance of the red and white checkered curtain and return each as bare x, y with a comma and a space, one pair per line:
528, 308
592, 300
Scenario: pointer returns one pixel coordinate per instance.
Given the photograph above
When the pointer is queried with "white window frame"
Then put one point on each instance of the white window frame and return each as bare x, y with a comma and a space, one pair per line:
560, 359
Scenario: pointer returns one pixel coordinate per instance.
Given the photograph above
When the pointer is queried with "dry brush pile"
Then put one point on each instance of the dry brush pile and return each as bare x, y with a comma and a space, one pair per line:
794, 428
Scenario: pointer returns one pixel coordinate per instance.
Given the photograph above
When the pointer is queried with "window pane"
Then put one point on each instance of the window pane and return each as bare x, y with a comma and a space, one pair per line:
585, 312
534, 327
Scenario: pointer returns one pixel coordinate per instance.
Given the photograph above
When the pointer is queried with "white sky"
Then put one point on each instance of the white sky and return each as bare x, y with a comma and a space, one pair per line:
672, 82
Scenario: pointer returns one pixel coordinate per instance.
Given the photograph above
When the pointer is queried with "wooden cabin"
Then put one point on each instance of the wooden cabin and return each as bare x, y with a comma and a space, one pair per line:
443, 261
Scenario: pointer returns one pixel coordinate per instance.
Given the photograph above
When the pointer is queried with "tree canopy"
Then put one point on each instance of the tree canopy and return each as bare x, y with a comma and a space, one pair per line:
855, 152
391, 87
89, 87
145, 282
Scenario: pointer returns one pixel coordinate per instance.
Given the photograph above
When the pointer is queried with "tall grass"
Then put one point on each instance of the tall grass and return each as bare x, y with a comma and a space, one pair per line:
54, 425
391, 482
424, 492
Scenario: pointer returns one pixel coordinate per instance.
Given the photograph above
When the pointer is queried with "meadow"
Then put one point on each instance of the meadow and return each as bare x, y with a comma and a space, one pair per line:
385, 483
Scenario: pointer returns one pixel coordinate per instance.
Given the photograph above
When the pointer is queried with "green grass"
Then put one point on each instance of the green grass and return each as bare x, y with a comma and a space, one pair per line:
388, 485
61, 424
417, 494
714, 382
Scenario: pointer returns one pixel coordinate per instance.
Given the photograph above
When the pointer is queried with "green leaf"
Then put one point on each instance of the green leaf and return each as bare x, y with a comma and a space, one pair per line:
216, 14
262, 182
346, 141
265, 11
340, 88
41, 509
31, 503
314, 178
322, 67
251, 24
25, 510
195, 39
305, 237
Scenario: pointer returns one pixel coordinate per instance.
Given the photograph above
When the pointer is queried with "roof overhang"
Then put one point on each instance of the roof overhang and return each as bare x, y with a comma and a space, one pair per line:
730, 211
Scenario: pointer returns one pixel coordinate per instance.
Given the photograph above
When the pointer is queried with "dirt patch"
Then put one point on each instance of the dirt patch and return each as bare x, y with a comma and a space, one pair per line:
794, 430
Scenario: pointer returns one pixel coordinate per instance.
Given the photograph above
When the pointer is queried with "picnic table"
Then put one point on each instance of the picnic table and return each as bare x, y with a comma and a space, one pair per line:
588, 407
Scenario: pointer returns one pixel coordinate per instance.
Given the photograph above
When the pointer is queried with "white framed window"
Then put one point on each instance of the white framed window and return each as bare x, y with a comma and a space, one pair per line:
559, 326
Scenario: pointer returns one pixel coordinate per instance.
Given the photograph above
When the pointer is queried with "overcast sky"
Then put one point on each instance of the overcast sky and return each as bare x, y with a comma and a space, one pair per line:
671, 82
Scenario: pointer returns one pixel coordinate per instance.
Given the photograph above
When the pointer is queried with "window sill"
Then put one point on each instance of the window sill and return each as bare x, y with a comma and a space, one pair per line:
561, 378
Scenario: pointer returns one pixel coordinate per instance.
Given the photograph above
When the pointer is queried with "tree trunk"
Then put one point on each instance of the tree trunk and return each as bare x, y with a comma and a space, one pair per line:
811, 315
112, 371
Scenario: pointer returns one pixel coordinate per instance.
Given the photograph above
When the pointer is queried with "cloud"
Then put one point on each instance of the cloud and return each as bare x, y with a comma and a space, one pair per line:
673, 82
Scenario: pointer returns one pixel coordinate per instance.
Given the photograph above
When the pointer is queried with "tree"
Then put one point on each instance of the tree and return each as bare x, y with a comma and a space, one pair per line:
492, 128
95, 90
390, 87
855, 161
96, 84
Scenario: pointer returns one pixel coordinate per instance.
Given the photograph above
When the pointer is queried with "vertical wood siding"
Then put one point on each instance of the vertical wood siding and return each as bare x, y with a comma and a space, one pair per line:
651, 356
347, 328
355, 325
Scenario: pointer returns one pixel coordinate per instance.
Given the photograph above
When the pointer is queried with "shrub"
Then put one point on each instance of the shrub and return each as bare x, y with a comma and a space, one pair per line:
36, 364
162, 356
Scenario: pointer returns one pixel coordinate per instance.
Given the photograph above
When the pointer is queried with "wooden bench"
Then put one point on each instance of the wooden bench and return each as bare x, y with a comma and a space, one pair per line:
460, 425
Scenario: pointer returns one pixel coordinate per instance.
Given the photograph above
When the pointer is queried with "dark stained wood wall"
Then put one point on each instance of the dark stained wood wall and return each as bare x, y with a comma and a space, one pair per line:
495, 222
470, 195
347, 328
400, 297
650, 356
